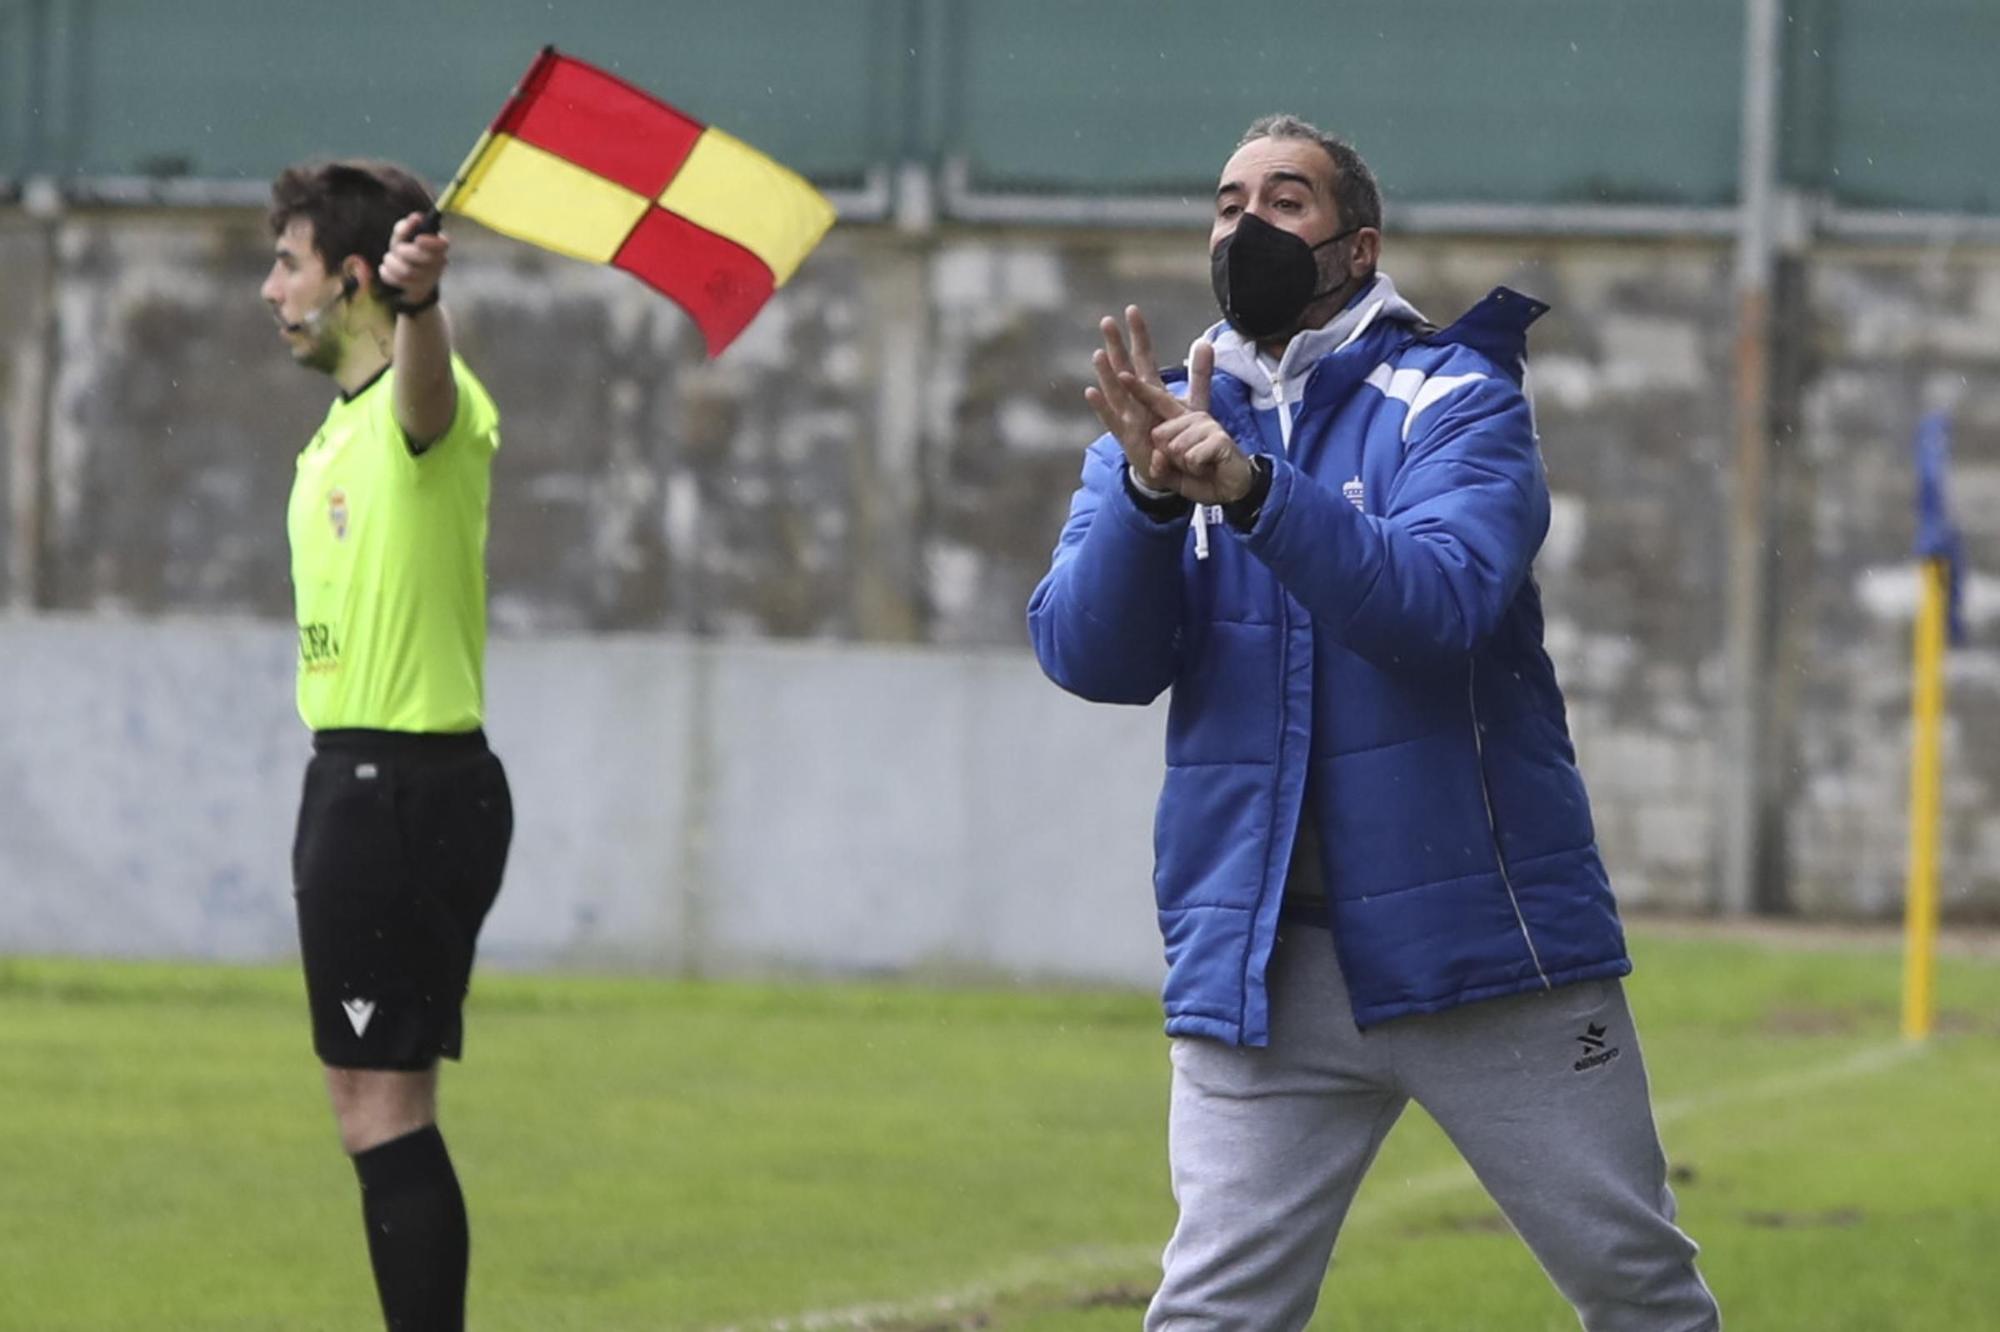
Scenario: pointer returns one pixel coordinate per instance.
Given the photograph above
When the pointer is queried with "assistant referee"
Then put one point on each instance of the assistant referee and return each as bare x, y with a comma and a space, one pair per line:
405, 819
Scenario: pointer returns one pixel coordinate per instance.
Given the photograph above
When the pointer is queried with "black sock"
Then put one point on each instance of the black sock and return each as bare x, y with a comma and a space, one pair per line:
417, 1237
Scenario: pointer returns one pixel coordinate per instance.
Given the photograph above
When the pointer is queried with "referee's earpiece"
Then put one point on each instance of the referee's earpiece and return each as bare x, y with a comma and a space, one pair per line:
349, 284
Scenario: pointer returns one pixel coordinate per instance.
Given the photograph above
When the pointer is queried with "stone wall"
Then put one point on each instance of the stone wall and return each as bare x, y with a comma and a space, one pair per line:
1893, 335
887, 453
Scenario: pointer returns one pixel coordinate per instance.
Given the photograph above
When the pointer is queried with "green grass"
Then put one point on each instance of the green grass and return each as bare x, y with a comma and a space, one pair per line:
648, 1155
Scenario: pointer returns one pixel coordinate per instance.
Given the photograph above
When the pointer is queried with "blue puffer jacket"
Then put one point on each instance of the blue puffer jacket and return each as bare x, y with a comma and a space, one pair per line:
1369, 657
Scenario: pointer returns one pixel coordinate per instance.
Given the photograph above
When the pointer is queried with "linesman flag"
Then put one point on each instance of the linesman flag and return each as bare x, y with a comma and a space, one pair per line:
580, 162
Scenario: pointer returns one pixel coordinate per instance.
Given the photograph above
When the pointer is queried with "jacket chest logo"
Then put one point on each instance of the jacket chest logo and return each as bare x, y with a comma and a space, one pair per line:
336, 512
1355, 493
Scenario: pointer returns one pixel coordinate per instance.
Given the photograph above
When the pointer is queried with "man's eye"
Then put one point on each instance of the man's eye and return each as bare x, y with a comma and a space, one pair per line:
1229, 210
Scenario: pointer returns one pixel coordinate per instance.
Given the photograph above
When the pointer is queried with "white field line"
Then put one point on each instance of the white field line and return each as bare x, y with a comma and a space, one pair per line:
1101, 1262
1862, 1063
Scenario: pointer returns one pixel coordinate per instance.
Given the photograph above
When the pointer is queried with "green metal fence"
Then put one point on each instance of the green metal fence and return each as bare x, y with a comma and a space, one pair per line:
1888, 104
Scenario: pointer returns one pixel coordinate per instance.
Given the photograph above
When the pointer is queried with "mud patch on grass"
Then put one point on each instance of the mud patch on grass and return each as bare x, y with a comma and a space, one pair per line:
967, 1322
1834, 1218
1958, 1022
1805, 1020
1796, 1020
1126, 1296
1005, 1313
1461, 1223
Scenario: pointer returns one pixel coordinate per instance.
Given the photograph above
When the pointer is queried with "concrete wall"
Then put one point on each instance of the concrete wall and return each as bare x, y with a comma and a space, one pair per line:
886, 455
689, 806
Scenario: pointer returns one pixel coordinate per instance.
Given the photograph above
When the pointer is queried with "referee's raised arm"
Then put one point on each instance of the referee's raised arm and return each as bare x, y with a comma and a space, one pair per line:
426, 392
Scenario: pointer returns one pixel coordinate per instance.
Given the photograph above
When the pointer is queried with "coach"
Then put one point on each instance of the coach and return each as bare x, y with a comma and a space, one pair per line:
1376, 873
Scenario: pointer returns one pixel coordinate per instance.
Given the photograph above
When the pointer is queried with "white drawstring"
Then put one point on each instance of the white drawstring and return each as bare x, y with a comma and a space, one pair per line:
1200, 518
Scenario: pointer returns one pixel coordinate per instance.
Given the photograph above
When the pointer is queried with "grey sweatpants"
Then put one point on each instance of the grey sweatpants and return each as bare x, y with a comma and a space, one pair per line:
1544, 1094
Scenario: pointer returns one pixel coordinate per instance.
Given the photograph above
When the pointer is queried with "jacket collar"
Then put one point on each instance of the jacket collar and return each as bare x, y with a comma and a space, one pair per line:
1372, 327
1497, 328
1376, 307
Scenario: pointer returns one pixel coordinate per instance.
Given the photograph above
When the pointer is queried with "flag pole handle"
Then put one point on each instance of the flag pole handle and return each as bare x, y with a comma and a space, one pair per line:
434, 217
532, 79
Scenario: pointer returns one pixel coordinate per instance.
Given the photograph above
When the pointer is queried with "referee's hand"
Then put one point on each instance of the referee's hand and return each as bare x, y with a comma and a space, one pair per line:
414, 264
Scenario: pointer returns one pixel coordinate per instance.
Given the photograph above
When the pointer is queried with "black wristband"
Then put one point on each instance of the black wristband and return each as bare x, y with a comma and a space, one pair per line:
1242, 514
1160, 508
418, 307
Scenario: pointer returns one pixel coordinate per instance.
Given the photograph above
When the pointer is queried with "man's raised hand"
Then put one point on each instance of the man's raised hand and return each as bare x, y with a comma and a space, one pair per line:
415, 261
1211, 467
1129, 418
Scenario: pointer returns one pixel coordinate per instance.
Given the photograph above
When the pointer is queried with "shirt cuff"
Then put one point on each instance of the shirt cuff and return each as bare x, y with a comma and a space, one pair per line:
1160, 505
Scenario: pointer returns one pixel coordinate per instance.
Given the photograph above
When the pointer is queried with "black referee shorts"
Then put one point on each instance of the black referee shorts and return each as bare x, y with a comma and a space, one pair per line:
401, 843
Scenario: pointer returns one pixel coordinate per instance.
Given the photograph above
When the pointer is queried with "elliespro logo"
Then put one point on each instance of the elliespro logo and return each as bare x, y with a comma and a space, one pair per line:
1597, 1049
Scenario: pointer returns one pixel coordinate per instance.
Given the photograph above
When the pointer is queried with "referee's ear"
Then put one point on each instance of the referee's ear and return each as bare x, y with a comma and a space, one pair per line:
357, 275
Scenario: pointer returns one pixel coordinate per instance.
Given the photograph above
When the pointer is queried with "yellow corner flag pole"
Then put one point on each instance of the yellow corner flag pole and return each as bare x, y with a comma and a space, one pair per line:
1920, 917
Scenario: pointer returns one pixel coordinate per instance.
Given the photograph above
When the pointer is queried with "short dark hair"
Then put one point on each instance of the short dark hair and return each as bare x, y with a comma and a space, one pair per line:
1355, 192
353, 206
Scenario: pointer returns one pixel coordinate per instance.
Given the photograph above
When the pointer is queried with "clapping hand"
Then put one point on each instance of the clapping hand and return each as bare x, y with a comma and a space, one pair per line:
1208, 465
1130, 418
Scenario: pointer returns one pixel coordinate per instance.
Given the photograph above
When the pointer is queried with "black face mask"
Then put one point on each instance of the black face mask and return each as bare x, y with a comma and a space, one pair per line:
1264, 277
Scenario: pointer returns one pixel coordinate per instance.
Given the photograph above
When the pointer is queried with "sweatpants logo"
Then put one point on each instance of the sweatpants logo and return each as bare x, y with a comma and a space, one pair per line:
1595, 1051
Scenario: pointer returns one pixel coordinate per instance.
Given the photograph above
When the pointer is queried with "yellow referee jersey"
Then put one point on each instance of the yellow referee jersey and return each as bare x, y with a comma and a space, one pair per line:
389, 565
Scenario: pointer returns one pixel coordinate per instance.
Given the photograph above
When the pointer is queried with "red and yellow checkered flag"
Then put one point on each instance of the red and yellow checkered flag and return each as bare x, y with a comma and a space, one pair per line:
582, 163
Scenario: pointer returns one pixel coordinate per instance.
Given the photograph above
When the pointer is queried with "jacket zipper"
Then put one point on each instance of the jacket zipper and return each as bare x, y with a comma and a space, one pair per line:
1284, 417
1493, 824
1277, 781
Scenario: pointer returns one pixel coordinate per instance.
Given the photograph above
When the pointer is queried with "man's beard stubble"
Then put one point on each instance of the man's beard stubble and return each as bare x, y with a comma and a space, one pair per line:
321, 354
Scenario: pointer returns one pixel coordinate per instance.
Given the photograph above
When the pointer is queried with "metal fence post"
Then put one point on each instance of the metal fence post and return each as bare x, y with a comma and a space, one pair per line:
1746, 643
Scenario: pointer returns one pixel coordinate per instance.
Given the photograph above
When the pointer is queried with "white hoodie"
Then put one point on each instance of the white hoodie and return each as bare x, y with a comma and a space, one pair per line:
1283, 380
